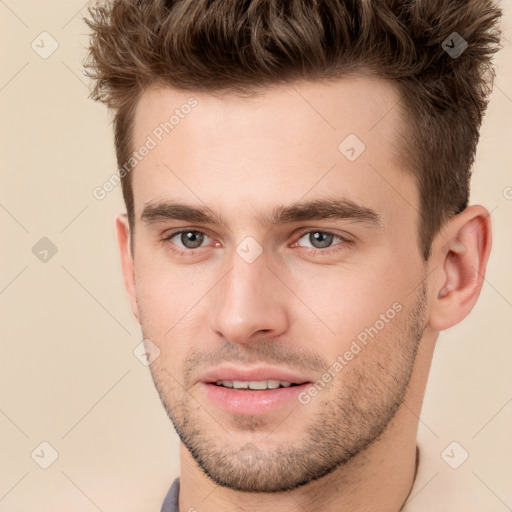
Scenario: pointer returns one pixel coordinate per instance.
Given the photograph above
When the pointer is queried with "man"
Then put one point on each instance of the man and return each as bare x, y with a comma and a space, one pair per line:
296, 178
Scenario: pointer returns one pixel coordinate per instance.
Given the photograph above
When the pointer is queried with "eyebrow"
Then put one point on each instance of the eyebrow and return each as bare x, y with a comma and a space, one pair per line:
319, 209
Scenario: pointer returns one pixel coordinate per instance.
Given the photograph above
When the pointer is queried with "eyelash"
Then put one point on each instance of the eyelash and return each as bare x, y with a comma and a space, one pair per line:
310, 250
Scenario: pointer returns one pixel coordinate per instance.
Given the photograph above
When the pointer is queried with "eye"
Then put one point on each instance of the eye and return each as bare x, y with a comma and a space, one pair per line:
322, 240
188, 238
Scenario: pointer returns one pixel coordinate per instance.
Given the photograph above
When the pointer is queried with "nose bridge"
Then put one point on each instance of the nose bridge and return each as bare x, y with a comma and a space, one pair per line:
249, 299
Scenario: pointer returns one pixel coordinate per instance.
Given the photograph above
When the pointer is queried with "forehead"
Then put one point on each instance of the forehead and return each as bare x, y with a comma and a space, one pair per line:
277, 146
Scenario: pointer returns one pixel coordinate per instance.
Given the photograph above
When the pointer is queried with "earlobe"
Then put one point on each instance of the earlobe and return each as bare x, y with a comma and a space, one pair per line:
463, 253
123, 239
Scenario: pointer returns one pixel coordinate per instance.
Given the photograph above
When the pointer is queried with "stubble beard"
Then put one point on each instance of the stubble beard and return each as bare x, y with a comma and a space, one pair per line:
348, 418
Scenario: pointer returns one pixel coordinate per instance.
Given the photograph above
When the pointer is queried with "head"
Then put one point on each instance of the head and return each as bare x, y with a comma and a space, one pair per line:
318, 168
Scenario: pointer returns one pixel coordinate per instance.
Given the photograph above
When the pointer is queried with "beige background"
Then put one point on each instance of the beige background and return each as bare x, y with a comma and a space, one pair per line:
68, 375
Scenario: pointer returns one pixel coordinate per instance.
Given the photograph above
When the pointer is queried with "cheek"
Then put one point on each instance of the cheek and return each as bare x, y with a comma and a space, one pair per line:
162, 285
342, 303
164, 296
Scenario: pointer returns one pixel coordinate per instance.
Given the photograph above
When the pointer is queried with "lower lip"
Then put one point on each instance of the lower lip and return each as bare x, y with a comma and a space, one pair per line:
251, 402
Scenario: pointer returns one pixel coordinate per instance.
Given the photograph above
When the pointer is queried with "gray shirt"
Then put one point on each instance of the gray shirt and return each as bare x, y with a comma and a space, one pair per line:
170, 503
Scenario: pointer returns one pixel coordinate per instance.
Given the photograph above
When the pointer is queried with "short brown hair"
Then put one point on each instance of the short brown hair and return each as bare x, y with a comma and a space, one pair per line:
238, 47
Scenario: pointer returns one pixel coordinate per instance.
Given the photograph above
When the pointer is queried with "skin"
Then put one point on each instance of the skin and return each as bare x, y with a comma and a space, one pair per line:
353, 444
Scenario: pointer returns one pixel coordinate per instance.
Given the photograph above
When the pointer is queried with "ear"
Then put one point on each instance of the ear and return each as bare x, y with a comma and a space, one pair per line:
123, 239
461, 253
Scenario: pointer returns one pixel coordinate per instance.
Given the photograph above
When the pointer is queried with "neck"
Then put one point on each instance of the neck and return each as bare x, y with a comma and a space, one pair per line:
381, 474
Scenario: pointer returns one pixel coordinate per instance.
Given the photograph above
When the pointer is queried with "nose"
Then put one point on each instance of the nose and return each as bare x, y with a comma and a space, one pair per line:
249, 301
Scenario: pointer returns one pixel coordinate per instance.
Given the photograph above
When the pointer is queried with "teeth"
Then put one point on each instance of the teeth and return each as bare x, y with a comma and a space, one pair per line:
257, 384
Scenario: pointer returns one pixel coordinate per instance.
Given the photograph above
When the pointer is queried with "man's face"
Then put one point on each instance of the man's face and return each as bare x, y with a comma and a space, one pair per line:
262, 292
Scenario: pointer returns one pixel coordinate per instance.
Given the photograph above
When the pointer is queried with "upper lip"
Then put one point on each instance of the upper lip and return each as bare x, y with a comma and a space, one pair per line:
252, 374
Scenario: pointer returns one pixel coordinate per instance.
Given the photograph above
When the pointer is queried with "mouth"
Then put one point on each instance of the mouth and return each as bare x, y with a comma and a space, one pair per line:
256, 391
254, 385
